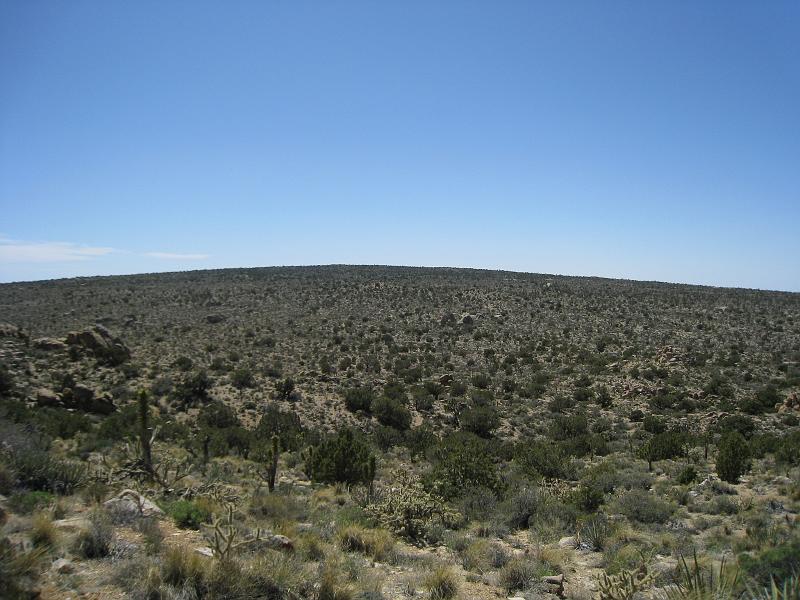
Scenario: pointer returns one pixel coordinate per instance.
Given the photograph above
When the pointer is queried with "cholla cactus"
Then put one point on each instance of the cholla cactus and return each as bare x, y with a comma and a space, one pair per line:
408, 509
625, 584
224, 540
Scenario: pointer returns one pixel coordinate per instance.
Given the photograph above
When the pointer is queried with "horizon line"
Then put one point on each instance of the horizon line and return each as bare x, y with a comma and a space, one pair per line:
393, 266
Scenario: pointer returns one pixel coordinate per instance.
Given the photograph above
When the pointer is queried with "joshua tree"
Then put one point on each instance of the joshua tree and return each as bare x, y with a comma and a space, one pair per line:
145, 433
272, 463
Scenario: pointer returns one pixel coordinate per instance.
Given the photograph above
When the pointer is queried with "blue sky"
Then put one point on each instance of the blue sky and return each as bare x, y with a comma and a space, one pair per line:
644, 140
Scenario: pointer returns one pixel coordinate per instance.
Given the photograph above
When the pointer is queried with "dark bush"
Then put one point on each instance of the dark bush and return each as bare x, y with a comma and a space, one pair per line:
543, 459
738, 423
480, 420
343, 458
391, 413
188, 514
654, 424
463, 461
733, 457
285, 424
359, 398
788, 451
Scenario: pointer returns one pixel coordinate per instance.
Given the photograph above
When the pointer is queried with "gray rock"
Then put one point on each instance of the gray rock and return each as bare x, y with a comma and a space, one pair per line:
63, 566
205, 551
129, 504
47, 397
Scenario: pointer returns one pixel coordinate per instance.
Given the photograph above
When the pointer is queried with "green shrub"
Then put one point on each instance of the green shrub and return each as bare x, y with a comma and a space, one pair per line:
285, 424
344, 458
28, 502
243, 378
480, 420
654, 424
391, 413
778, 563
188, 514
733, 457
739, 423
463, 461
522, 506
788, 451
543, 459
643, 507
359, 398
687, 475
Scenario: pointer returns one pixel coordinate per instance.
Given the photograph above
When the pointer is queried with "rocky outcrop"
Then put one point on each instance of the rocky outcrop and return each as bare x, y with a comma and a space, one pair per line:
790, 405
46, 343
79, 397
99, 342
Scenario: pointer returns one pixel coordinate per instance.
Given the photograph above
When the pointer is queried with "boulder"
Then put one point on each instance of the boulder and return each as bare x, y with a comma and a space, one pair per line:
214, 319
46, 343
130, 504
84, 399
279, 542
47, 397
82, 394
99, 341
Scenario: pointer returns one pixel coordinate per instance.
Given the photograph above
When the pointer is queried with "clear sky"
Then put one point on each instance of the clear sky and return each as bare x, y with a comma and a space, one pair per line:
644, 140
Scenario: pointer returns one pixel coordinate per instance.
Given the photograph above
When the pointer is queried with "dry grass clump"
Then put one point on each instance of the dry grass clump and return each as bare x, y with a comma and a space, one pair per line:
376, 543
44, 534
441, 583
95, 540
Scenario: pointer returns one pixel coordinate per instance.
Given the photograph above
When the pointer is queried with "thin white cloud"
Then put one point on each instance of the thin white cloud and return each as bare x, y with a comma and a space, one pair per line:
16, 251
176, 256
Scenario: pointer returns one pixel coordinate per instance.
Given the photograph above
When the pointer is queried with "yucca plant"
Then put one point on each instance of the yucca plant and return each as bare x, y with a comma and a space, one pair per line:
697, 583
788, 590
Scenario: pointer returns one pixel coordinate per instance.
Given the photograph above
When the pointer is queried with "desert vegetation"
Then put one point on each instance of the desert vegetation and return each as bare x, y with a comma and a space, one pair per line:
375, 432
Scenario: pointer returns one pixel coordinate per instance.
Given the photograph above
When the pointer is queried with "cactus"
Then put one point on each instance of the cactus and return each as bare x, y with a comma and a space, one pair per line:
625, 584
145, 438
272, 463
224, 542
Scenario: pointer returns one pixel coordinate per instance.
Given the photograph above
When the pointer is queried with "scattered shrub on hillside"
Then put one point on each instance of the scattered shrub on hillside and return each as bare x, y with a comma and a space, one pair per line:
733, 457
344, 458
359, 399
391, 413
643, 507
188, 514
